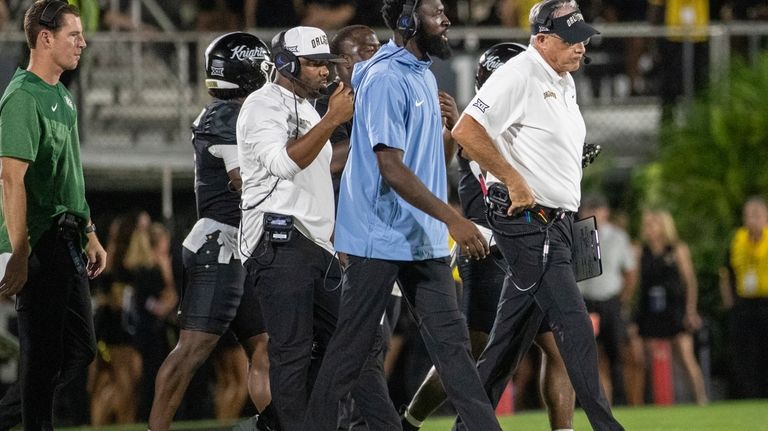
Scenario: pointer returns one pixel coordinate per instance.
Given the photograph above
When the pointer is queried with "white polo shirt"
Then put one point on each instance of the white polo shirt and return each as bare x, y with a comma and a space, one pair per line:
531, 114
272, 182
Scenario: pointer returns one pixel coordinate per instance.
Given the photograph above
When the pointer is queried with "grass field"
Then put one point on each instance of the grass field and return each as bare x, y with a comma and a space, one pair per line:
719, 416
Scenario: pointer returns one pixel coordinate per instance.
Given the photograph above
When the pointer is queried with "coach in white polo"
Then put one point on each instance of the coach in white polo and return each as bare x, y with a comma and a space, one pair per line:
525, 128
288, 208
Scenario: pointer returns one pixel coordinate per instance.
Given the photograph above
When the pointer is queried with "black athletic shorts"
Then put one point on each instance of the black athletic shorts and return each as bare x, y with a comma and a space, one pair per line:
213, 298
482, 281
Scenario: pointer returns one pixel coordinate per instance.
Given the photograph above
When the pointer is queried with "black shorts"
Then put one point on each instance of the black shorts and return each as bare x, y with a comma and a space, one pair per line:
228, 341
212, 295
482, 282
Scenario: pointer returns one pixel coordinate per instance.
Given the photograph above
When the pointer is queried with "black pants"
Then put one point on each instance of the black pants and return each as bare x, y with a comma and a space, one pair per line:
295, 284
531, 292
749, 320
613, 332
55, 329
429, 291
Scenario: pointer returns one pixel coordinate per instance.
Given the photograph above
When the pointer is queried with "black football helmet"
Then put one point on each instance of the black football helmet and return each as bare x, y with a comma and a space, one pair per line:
238, 61
493, 58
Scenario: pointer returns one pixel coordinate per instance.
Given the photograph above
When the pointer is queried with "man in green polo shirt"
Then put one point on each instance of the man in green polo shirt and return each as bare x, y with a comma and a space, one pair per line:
46, 235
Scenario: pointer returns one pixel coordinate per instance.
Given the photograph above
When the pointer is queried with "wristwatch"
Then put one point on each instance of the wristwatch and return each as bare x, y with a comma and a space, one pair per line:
90, 228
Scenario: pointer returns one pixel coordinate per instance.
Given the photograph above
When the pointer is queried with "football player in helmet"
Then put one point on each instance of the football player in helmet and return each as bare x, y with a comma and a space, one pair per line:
213, 298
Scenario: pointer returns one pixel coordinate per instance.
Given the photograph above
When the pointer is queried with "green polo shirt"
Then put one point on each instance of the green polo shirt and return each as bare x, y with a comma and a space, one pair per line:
38, 124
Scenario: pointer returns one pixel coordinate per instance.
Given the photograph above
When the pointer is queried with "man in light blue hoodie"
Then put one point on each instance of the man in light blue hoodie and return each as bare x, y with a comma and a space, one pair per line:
393, 223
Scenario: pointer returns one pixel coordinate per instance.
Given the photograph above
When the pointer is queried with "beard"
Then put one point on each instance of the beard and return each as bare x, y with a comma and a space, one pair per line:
311, 90
315, 93
434, 45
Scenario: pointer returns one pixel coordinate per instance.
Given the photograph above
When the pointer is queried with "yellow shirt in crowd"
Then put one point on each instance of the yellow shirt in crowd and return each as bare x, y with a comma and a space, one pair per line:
691, 14
749, 261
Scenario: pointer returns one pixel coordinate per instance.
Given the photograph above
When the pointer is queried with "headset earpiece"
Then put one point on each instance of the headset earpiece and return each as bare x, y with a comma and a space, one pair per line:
286, 62
408, 22
544, 17
50, 12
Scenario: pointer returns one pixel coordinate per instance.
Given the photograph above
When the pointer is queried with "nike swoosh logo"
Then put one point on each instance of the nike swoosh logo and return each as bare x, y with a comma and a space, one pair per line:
419, 103
54, 107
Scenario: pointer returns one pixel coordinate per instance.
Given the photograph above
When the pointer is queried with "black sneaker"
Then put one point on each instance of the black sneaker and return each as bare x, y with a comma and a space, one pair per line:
263, 423
407, 425
404, 422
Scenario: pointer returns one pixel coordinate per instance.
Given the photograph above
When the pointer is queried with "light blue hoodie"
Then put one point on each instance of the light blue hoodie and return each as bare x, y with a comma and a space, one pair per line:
396, 105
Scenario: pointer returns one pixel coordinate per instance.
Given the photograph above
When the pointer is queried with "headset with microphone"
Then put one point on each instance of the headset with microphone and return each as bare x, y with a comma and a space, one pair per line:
286, 62
288, 65
544, 16
408, 22
50, 12
544, 19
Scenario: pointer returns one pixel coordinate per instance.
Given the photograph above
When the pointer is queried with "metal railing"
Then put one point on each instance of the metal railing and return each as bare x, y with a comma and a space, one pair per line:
139, 92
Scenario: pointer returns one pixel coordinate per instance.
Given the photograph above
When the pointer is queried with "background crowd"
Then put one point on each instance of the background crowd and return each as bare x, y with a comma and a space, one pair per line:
648, 280
645, 66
